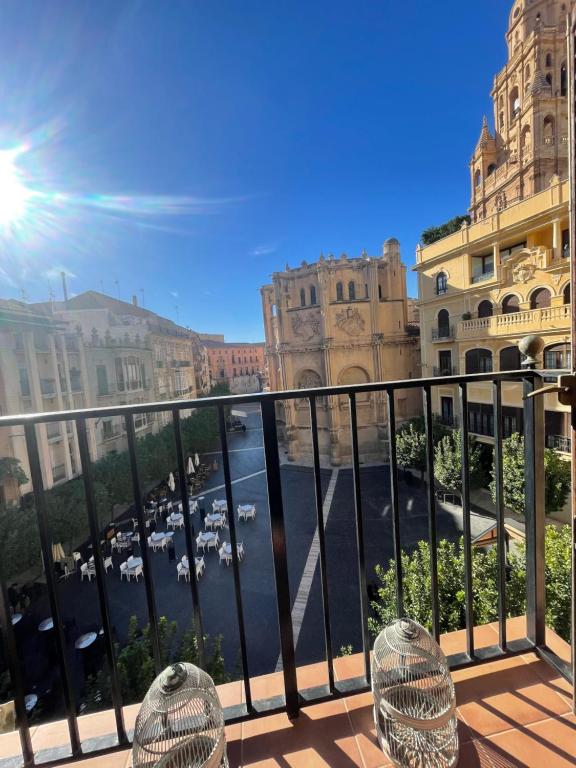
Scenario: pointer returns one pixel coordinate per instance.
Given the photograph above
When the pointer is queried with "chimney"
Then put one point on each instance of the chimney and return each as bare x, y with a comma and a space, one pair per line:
135, 300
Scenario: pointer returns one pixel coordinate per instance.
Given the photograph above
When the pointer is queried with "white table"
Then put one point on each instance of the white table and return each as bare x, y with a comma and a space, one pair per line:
246, 510
47, 624
84, 641
133, 562
215, 517
158, 536
220, 505
176, 517
207, 536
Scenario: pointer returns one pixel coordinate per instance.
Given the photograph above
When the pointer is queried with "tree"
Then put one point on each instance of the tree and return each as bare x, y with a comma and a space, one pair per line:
432, 234
411, 448
11, 469
448, 461
556, 477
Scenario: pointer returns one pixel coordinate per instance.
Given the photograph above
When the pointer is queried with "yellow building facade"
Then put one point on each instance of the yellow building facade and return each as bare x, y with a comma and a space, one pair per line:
341, 321
507, 273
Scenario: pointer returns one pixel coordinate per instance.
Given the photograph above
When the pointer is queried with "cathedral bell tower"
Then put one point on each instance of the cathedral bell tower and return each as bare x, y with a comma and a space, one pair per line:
530, 141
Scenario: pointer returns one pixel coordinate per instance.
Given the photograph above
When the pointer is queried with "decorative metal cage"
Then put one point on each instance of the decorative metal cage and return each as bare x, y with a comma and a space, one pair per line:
414, 699
180, 723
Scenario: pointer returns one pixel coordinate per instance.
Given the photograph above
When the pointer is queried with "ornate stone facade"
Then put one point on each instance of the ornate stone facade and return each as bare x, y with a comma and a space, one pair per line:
341, 321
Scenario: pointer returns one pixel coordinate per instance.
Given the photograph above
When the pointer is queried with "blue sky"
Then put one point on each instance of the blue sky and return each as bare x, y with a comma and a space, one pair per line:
196, 147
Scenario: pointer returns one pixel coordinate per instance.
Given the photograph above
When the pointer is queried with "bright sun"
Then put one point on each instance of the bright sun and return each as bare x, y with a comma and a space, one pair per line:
14, 194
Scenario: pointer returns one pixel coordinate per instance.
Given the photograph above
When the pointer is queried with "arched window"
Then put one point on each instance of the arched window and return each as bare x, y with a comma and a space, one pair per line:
491, 169
339, 292
441, 283
548, 60
557, 356
485, 308
354, 375
548, 129
477, 178
540, 299
312, 295
510, 304
566, 293
548, 79
514, 103
478, 361
302, 297
525, 137
351, 290
563, 80
443, 324
510, 359
502, 119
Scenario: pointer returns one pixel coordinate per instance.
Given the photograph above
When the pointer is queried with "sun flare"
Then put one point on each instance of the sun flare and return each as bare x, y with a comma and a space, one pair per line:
14, 194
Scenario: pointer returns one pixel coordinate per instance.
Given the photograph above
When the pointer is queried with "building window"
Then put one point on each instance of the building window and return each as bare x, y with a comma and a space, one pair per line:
102, 379
482, 267
478, 361
566, 294
481, 419
506, 252
351, 290
501, 120
339, 292
540, 299
443, 324
447, 411
557, 356
302, 297
548, 60
119, 374
510, 304
512, 420
485, 308
563, 80
491, 169
441, 283
565, 243
510, 359
312, 295
548, 79
549, 129
514, 103
477, 179
24, 382
445, 362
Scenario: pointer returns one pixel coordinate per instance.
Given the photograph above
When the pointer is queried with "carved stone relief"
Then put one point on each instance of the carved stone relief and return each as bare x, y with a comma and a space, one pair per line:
305, 325
350, 321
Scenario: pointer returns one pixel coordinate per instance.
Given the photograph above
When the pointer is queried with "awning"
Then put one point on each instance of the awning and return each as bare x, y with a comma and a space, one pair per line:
239, 414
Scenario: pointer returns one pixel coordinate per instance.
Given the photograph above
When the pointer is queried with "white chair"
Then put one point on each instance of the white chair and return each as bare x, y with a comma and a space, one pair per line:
240, 550
183, 572
124, 571
200, 566
77, 558
224, 555
193, 506
156, 544
86, 571
169, 506
135, 572
114, 544
108, 563
220, 523
246, 512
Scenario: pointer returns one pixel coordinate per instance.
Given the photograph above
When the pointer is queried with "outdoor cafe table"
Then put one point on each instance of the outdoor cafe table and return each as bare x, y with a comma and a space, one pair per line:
45, 625
85, 641
214, 517
159, 535
220, 505
133, 562
207, 536
176, 517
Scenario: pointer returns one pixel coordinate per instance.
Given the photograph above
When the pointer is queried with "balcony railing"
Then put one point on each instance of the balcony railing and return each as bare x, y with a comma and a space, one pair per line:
445, 370
482, 277
559, 443
516, 323
444, 332
293, 698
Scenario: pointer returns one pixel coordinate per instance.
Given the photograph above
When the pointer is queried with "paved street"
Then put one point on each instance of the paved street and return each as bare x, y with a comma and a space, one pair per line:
216, 587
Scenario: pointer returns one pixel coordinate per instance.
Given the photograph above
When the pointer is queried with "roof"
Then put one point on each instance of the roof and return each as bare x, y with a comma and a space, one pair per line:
216, 344
18, 312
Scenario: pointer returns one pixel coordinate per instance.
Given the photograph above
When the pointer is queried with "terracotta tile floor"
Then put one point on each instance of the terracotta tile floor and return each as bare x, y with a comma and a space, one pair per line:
513, 712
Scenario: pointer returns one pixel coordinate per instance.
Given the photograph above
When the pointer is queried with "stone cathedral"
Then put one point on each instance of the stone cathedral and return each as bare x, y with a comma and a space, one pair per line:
341, 321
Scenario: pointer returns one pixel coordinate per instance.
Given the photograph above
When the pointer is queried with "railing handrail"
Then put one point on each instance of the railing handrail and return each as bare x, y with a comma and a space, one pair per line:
260, 397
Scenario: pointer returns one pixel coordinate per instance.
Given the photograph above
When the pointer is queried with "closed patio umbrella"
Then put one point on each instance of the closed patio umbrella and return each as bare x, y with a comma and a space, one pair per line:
197, 459
58, 552
171, 483
190, 468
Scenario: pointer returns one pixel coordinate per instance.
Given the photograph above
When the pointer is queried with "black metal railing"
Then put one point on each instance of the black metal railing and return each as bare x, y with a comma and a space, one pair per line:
293, 698
443, 332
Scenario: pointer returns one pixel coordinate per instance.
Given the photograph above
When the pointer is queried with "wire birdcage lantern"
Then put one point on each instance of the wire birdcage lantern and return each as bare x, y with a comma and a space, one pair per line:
180, 723
414, 698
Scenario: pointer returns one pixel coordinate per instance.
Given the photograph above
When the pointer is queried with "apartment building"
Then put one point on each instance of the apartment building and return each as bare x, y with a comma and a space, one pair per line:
341, 321
239, 365
506, 274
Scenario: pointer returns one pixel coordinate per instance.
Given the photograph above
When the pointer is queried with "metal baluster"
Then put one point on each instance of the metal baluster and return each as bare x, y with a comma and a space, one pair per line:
13, 663
197, 617
274, 486
499, 503
321, 542
45, 543
144, 554
360, 535
394, 500
235, 563
432, 537
85, 462
466, 520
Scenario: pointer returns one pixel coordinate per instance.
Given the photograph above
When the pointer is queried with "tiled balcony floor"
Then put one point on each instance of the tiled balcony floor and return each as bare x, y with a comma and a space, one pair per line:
512, 712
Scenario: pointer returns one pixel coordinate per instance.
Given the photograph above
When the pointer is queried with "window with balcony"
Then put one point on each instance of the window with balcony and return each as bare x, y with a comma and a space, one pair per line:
558, 357
510, 304
540, 299
512, 420
482, 267
563, 80
478, 361
443, 324
445, 362
556, 431
481, 419
485, 308
510, 359
441, 283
